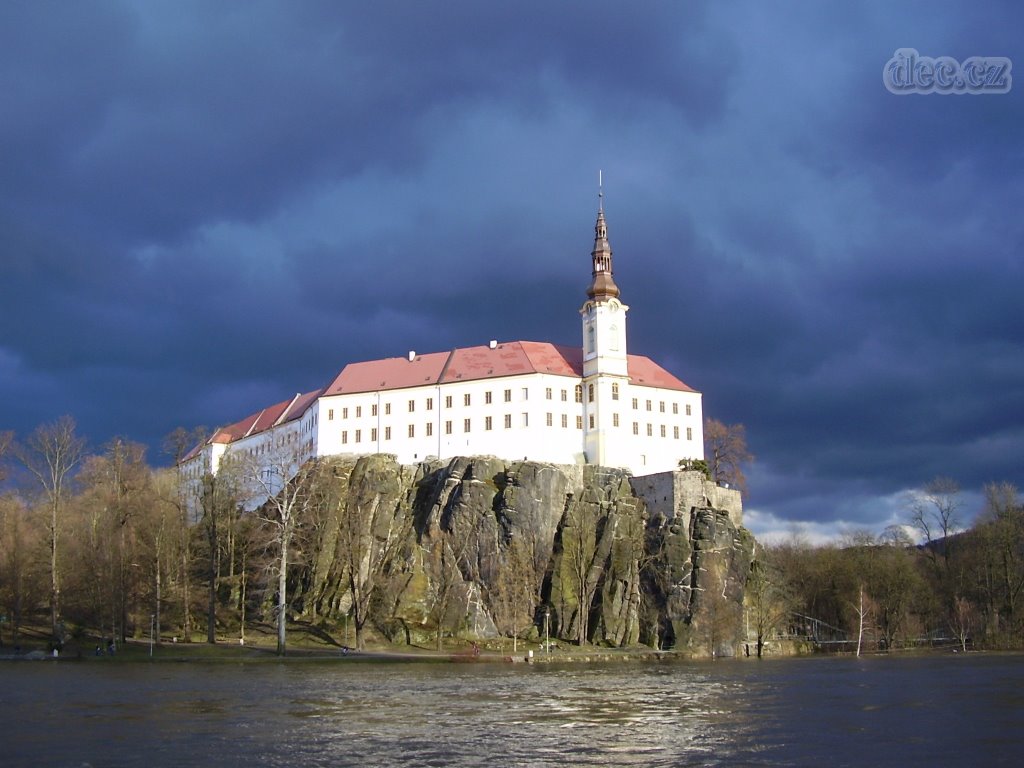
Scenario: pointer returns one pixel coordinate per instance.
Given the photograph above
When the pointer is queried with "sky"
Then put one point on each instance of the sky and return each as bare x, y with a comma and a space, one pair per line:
207, 207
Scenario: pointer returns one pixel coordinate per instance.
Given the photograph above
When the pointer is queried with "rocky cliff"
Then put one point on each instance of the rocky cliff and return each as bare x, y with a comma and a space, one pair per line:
480, 547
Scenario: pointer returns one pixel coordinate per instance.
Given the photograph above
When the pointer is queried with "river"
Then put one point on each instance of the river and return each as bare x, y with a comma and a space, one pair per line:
930, 710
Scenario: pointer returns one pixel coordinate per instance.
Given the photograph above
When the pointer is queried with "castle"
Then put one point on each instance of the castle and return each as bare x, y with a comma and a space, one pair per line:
594, 404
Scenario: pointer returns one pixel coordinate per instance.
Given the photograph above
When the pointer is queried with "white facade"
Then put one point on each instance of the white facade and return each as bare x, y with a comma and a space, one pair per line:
535, 416
518, 400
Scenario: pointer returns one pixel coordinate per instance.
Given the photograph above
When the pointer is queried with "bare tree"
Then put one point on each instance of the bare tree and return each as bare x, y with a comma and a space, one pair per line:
725, 451
515, 589
935, 512
579, 547
862, 611
768, 603
1002, 531
50, 454
446, 582
116, 493
287, 488
18, 587
963, 619
221, 494
178, 444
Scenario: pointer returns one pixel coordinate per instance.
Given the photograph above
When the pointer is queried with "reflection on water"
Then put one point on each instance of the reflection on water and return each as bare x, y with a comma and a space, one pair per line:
885, 712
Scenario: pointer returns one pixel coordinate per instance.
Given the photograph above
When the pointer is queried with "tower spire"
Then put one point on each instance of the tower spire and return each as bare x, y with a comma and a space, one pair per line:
602, 286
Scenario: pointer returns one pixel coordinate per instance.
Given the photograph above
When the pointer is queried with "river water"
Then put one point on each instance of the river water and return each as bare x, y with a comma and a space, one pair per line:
927, 711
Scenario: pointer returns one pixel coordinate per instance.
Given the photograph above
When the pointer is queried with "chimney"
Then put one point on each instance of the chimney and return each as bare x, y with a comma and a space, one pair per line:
493, 344
412, 355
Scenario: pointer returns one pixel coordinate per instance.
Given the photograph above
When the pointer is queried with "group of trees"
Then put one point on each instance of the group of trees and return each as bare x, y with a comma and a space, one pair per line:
103, 543
111, 546
108, 545
960, 585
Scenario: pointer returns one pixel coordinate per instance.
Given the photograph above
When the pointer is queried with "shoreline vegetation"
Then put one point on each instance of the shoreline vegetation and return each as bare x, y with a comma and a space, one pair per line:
260, 646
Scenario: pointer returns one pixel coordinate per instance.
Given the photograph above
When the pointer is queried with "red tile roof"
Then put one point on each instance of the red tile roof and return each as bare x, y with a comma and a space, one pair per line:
483, 362
279, 413
463, 364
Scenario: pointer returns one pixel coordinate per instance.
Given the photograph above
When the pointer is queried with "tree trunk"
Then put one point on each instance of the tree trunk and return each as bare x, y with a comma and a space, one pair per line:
54, 582
282, 596
860, 621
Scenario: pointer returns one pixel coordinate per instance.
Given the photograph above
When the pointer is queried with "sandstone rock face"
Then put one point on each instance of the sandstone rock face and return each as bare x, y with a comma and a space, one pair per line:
480, 547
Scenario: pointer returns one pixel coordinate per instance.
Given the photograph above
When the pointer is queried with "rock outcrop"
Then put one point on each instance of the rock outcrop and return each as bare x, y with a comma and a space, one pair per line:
482, 547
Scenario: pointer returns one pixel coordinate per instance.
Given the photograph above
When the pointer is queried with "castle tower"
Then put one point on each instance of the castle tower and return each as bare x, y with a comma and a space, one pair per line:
605, 374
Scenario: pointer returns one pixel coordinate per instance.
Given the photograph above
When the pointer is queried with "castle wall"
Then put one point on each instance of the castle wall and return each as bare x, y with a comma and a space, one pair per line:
675, 493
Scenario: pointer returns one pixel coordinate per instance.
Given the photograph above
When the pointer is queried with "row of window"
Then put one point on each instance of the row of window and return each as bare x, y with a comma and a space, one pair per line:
467, 425
467, 400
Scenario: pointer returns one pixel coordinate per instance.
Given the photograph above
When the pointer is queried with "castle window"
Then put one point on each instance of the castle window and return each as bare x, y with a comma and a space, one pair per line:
447, 401
448, 427
412, 430
344, 413
465, 425
661, 406
466, 399
508, 421
359, 411
615, 419
591, 421
590, 338
636, 427
590, 393
615, 390
359, 435
675, 409
526, 393
373, 435
344, 437
613, 333
675, 432
526, 419
579, 422
387, 409
579, 393
430, 428
330, 414
412, 407
636, 403
648, 405
547, 393
689, 433
688, 413
508, 395
550, 419
662, 430
487, 423
387, 433
487, 397
430, 403
565, 395
650, 431
373, 409
565, 421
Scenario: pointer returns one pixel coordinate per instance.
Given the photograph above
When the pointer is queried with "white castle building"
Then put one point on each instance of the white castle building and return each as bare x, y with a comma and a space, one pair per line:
595, 404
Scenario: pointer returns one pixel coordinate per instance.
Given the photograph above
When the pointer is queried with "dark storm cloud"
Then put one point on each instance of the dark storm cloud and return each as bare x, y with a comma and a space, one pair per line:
205, 208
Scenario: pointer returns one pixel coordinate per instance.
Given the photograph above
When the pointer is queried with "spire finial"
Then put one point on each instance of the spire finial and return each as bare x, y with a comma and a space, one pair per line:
603, 286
